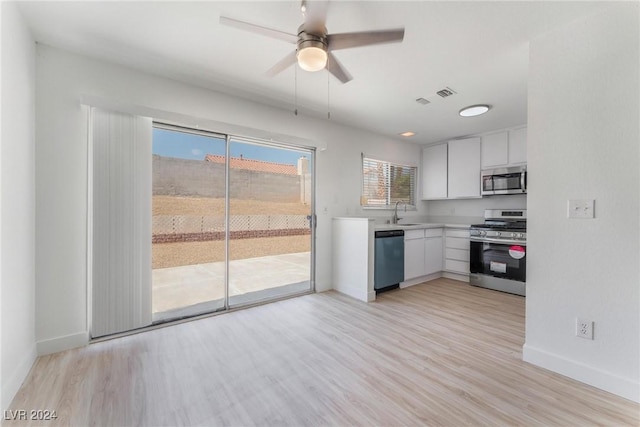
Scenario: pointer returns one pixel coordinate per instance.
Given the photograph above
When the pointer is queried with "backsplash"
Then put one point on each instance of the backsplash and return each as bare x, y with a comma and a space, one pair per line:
463, 211
473, 207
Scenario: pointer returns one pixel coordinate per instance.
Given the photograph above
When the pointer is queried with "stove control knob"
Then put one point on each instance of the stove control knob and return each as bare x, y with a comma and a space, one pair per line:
514, 235
498, 233
483, 233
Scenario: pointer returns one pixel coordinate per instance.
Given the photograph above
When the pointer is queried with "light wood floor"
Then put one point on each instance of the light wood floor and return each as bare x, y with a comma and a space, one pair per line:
441, 353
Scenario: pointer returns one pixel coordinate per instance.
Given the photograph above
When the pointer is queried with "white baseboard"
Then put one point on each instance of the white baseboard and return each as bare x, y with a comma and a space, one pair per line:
421, 279
357, 293
456, 276
67, 342
11, 385
607, 381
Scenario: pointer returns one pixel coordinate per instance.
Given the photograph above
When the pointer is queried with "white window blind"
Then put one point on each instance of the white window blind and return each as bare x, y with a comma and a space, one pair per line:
120, 232
385, 183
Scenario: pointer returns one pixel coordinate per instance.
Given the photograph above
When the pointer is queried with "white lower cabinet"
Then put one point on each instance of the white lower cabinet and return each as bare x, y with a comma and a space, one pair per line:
422, 252
413, 254
442, 251
456, 252
433, 250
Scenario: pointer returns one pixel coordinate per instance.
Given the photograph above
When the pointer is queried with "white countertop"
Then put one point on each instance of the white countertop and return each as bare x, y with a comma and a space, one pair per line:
443, 223
419, 226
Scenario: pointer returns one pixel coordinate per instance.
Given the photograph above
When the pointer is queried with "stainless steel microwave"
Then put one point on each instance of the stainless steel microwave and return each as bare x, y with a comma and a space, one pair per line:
504, 181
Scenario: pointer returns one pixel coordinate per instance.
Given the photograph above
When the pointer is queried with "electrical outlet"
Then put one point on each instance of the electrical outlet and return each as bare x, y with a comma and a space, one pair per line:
584, 328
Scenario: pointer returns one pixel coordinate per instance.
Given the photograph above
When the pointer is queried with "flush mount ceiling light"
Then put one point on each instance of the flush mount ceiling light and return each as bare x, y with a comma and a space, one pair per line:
474, 110
407, 134
313, 57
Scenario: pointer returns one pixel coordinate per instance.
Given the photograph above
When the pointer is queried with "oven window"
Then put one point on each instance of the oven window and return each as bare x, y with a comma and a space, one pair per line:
498, 259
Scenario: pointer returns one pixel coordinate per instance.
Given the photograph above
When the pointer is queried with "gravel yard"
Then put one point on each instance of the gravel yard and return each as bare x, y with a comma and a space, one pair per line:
189, 253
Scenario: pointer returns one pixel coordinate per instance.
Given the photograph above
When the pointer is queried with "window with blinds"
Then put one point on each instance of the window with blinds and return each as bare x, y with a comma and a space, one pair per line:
385, 183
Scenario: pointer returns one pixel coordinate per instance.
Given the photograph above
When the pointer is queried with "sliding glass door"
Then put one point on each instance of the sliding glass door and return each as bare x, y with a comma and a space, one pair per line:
270, 212
188, 224
231, 222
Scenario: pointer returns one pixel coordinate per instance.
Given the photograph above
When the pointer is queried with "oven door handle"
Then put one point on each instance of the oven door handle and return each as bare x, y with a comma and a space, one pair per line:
506, 242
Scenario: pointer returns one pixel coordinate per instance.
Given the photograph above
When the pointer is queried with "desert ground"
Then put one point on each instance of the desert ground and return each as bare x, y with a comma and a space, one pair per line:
189, 253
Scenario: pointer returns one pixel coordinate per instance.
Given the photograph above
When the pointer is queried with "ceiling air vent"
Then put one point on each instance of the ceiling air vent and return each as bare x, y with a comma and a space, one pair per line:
447, 91
423, 101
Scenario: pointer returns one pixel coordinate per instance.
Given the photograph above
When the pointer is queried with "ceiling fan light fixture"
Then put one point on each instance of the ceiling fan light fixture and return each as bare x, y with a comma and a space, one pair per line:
312, 58
474, 110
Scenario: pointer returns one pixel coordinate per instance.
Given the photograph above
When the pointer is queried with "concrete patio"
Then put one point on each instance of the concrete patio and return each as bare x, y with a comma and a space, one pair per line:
190, 289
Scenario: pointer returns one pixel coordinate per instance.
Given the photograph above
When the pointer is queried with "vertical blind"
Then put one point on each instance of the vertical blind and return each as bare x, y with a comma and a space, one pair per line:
385, 183
120, 147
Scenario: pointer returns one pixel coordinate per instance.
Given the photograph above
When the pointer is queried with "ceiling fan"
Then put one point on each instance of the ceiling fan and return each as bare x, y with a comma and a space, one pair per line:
313, 45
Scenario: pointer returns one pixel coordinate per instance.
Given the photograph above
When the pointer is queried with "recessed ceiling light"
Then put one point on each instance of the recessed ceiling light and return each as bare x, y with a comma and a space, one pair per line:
407, 134
474, 110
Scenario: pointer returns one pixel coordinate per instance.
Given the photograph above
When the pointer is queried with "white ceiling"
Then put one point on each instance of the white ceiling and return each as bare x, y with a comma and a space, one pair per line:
480, 49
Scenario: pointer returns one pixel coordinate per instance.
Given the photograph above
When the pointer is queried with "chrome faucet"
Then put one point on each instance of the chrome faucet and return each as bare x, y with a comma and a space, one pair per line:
396, 218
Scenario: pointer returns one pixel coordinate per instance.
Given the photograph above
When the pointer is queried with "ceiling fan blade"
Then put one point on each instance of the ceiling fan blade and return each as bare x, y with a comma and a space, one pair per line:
335, 68
283, 64
365, 38
264, 31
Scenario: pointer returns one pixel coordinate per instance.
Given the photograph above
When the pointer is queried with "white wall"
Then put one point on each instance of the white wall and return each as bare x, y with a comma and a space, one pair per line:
474, 208
61, 159
17, 180
584, 143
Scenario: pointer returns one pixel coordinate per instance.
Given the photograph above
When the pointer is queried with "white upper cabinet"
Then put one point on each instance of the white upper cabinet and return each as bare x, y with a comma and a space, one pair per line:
434, 172
495, 150
464, 168
518, 146
506, 148
451, 170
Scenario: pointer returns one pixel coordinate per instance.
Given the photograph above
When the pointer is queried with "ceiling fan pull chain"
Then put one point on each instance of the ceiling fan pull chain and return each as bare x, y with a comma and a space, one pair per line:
295, 89
328, 92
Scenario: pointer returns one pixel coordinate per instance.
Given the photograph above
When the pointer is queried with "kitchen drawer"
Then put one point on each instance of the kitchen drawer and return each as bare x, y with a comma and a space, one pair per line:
457, 243
451, 232
414, 234
433, 232
456, 266
457, 254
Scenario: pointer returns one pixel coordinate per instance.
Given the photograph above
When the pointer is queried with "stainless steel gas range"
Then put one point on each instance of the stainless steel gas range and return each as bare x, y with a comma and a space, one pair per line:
498, 258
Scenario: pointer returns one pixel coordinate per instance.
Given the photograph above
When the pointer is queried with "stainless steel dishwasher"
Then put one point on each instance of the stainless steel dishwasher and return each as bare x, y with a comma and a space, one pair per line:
389, 260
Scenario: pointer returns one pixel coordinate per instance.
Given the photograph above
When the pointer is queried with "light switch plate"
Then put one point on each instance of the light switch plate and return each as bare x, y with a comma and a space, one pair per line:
581, 209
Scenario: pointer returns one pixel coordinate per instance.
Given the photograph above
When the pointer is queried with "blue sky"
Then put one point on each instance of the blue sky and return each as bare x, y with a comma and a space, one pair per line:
195, 147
